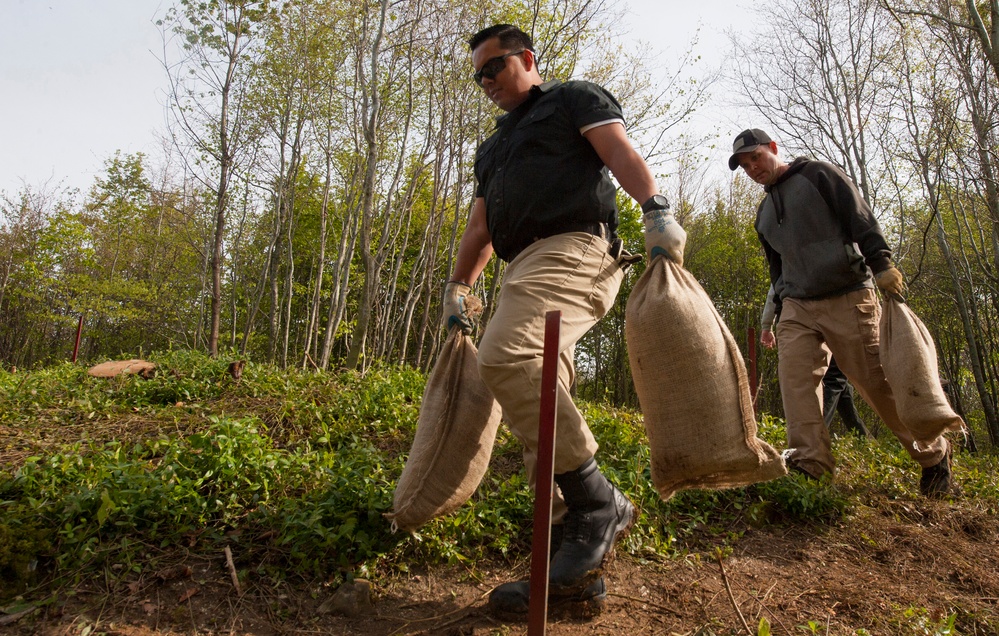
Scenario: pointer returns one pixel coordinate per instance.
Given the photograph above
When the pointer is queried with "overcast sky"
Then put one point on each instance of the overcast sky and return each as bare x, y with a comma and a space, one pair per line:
82, 78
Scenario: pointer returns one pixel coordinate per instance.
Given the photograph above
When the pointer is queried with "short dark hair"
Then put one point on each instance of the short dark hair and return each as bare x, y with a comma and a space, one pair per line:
510, 37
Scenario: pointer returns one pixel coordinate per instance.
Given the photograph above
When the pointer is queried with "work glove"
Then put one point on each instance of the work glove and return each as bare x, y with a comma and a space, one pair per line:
455, 307
664, 236
890, 281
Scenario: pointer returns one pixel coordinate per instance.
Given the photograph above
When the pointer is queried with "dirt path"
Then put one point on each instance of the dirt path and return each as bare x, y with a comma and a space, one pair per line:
900, 567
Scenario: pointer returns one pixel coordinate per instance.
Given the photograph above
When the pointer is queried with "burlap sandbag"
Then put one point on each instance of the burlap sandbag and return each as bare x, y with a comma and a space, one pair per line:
909, 359
454, 439
119, 367
692, 386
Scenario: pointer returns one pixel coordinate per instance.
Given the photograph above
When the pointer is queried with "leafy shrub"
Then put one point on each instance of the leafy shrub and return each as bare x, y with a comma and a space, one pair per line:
24, 540
297, 468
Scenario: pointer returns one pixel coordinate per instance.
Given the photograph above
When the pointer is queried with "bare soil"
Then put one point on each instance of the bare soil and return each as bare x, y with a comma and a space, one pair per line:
895, 566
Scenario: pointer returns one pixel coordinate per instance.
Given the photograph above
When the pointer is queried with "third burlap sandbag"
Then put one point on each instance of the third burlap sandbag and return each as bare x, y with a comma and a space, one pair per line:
909, 359
454, 438
693, 387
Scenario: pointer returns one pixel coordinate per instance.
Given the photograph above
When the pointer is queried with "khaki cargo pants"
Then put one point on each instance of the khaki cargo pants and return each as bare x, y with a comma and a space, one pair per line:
571, 272
847, 326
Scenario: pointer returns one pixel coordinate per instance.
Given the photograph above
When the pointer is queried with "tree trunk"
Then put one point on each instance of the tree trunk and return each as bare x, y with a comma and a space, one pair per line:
371, 108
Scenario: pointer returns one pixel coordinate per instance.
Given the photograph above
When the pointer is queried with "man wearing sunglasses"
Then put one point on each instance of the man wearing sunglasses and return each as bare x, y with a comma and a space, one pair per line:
545, 203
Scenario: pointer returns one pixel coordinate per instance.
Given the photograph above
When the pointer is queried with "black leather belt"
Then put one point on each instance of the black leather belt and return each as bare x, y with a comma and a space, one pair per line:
593, 227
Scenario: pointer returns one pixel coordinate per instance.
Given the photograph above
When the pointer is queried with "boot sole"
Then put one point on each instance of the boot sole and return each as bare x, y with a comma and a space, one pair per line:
558, 606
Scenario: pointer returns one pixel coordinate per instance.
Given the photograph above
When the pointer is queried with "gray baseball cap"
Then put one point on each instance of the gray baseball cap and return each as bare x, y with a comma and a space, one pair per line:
747, 141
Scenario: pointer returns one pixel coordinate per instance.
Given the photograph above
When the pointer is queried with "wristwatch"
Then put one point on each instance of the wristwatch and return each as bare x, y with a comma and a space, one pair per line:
655, 202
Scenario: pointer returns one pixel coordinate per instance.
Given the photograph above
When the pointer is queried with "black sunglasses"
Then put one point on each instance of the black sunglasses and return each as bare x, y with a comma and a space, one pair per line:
493, 67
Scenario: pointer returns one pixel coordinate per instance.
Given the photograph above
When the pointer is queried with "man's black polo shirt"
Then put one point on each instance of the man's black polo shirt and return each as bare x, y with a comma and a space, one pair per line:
538, 173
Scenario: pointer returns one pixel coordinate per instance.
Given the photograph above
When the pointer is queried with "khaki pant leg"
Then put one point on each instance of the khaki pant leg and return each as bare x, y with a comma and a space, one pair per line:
559, 509
569, 272
851, 330
802, 361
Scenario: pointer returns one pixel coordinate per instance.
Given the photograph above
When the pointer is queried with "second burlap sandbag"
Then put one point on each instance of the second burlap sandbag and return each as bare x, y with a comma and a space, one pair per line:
454, 438
693, 387
909, 359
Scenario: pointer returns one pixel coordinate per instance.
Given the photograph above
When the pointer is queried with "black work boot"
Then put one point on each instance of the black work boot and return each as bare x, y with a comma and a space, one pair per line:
513, 599
598, 513
935, 481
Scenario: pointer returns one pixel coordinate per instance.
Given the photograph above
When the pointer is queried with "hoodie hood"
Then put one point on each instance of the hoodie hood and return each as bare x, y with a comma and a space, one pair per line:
793, 169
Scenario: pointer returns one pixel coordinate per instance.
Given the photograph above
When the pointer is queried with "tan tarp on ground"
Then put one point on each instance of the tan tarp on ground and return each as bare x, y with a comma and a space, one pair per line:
454, 439
693, 387
909, 359
118, 367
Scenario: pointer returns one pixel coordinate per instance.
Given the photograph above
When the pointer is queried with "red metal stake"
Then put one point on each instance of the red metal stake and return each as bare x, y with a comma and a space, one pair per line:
754, 386
76, 346
537, 614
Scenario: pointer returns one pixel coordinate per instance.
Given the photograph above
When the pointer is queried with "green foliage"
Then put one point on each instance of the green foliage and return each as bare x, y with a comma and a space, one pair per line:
811, 627
158, 490
23, 539
123, 261
322, 495
297, 469
337, 522
763, 629
919, 620
800, 497
978, 478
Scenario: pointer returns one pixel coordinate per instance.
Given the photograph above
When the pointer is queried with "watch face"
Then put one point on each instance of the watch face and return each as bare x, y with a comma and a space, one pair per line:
656, 202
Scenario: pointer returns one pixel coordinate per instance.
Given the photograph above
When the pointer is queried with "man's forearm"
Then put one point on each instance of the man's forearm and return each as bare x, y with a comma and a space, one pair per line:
475, 248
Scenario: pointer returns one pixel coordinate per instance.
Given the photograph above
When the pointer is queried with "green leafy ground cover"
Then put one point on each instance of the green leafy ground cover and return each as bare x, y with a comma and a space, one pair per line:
118, 479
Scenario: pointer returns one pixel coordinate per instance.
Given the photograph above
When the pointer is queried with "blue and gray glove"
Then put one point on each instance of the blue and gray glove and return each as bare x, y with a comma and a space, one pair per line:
663, 235
455, 308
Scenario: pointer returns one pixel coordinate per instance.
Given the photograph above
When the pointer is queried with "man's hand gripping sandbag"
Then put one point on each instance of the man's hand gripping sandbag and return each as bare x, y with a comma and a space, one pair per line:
890, 282
456, 309
663, 235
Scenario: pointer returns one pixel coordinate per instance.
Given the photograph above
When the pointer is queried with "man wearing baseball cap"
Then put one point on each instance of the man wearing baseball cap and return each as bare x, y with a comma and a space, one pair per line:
826, 253
747, 141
